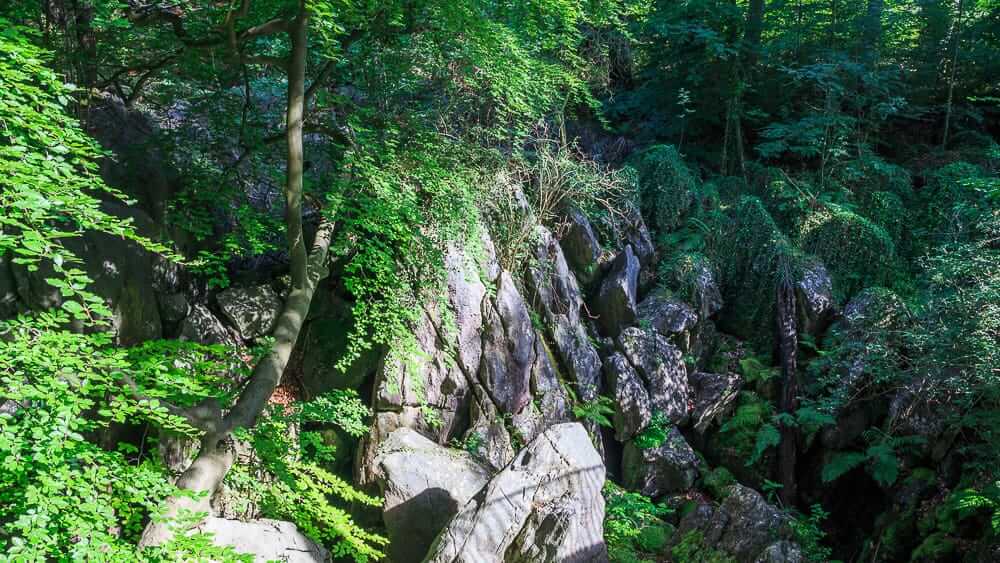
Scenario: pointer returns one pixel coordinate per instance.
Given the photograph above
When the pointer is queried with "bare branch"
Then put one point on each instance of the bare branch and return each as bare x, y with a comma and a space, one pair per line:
277, 25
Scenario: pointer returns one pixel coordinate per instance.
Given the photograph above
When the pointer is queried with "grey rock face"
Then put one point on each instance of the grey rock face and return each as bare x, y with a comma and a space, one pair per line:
508, 349
423, 486
485, 365
816, 289
637, 235
546, 506
430, 392
553, 403
616, 300
780, 552
633, 410
581, 246
667, 315
266, 540
707, 294
173, 307
251, 310
556, 296
123, 276
671, 467
662, 366
9, 302
202, 326
712, 394
745, 526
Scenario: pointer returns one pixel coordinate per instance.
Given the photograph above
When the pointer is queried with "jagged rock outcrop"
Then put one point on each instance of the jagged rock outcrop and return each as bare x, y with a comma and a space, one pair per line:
712, 394
662, 367
667, 315
744, 526
580, 246
508, 344
423, 486
201, 325
545, 506
556, 296
671, 467
782, 551
815, 292
266, 540
633, 410
484, 368
637, 235
615, 303
252, 311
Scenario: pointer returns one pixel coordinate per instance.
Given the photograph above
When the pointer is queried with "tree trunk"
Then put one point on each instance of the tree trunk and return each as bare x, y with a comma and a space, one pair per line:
788, 343
956, 34
215, 458
873, 31
755, 28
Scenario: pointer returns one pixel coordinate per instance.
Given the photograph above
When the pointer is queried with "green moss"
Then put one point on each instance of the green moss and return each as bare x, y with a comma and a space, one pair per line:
753, 257
692, 549
653, 539
857, 252
666, 186
718, 481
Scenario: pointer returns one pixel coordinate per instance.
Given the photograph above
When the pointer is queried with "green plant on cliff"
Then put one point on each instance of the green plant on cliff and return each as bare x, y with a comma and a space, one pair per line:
633, 525
297, 487
857, 252
666, 186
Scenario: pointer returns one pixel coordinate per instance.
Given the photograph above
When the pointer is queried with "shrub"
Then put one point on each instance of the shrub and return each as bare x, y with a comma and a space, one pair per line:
857, 252
666, 186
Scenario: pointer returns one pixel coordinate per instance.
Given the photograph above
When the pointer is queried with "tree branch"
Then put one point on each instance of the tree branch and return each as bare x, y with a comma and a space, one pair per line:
323, 73
206, 416
277, 25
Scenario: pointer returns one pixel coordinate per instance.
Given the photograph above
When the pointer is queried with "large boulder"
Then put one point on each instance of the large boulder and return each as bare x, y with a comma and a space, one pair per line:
546, 506
324, 342
122, 274
615, 302
782, 551
423, 486
556, 297
203, 327
252, 311
637, 235
633, 410
429, 392
815, 292
666, 314
483, 374
744, 526
713, 394
266, 540
671, 467
173, 307
662, 366
580, 245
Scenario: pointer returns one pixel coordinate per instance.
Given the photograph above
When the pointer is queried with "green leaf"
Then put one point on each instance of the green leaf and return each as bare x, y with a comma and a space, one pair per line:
841, 463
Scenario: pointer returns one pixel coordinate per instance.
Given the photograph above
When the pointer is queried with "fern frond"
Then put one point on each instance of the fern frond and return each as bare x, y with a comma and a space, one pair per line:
841, 463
